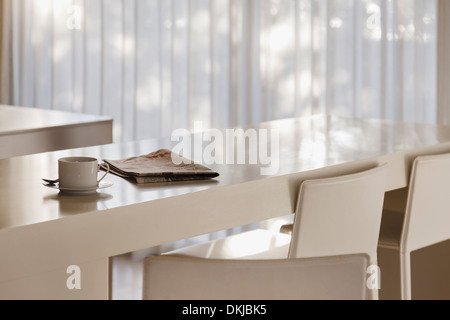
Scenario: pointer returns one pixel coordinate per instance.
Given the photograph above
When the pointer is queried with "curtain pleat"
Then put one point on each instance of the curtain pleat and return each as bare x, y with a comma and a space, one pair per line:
5, 54
160, 65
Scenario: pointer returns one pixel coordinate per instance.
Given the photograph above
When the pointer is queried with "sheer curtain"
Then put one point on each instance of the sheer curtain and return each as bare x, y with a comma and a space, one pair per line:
159, 65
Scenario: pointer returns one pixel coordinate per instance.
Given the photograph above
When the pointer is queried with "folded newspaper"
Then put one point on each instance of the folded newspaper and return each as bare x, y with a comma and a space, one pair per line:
159, 167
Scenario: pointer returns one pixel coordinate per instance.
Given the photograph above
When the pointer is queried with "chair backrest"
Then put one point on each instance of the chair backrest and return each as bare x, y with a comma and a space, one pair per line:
427, 216
173, 277
339, 215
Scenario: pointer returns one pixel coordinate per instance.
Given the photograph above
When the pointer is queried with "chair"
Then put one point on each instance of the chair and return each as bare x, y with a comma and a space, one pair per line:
426, 220
334, 216
189, 278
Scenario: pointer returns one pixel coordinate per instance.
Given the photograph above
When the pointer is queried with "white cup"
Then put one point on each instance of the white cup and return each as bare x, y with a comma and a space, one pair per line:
80, 172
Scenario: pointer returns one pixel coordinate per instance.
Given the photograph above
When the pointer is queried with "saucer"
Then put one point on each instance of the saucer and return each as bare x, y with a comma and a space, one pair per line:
101, 185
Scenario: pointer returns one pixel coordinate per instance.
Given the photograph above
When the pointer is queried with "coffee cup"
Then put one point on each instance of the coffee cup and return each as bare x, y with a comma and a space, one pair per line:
80, 172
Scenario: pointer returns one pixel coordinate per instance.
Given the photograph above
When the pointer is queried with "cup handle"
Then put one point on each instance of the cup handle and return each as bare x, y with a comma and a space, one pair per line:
106, 167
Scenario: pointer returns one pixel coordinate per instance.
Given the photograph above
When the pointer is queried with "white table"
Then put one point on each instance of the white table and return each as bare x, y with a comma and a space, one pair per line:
43, 232
29, 130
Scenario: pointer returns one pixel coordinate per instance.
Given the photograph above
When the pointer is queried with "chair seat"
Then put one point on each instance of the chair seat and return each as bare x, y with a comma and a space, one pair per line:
391, 228
254, 244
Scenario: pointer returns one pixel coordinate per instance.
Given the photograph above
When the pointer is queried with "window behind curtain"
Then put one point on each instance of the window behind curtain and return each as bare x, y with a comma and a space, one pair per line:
159, 65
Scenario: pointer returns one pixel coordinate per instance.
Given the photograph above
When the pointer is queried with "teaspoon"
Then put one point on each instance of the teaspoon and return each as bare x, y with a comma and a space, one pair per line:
50, 181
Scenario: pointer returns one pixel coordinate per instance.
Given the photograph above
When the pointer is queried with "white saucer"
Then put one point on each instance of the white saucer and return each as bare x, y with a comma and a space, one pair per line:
101, 185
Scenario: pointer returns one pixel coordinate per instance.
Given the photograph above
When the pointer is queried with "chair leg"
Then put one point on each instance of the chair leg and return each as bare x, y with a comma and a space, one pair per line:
373, 294
405, 277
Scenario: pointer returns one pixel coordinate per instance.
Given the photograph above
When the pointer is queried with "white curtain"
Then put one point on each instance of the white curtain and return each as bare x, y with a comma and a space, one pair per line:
159, 65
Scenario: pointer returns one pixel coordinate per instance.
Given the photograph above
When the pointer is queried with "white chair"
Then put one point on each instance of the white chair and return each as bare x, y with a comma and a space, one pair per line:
334, 216
188, 278
426, 220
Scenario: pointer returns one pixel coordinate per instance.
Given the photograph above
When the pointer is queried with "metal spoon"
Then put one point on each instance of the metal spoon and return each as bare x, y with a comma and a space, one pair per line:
51, 181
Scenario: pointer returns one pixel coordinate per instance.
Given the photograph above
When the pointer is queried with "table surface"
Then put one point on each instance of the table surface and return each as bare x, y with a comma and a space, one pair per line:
16, 120
305, 144
26, 131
